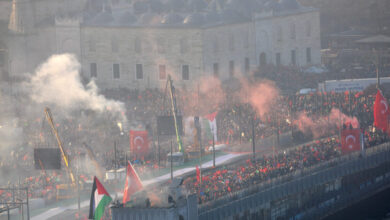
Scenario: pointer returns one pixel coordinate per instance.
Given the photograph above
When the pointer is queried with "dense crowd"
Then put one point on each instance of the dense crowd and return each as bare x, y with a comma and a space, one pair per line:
228, 179
220, 182
234, 122
354, 104
217, 183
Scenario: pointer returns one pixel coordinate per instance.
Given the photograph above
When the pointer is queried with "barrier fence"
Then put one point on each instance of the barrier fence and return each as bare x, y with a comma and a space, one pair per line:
297, 182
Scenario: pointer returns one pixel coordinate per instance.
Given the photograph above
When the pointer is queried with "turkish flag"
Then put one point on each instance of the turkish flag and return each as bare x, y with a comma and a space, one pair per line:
381, 112
139, 144
197, 174
350, 140
132, 185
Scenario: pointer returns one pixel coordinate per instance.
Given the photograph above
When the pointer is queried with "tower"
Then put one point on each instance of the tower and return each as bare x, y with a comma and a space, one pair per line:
21, 19
68, 34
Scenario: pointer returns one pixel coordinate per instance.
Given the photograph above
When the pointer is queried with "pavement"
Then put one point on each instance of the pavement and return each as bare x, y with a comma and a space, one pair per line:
70, 211
67, 212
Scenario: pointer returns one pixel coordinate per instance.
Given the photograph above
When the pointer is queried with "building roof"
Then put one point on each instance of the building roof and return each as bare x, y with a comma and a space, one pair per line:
351, 33
289, 4
188, 13
194, 19
377, 39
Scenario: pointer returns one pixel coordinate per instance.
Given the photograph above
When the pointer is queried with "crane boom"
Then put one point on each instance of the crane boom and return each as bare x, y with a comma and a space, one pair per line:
174, 112
64, 156
91, 155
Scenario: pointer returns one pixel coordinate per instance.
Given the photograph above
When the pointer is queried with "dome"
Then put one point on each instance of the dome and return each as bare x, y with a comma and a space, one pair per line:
127, 18
230, 15
140, 7
212, 17
149, 18
289, 4
156, 6
244, 7
197, 5
212, 6
177, 5
272, 5
233, 4
220, 3
171, 19
103, 17
194, 19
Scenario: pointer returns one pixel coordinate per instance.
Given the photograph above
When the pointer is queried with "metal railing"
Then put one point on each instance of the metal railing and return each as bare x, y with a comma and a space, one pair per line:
19, 199
369, 155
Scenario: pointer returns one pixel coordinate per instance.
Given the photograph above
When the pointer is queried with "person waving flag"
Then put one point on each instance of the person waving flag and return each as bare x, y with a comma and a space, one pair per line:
381, 112
133, 183
99, 200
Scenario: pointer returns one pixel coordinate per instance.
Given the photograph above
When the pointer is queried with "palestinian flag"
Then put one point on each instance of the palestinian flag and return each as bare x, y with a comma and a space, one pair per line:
212, 125
99, 200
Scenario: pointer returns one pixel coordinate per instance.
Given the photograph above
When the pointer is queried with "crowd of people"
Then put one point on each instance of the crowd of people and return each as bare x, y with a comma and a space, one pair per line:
234, 122
220, 182
233, 178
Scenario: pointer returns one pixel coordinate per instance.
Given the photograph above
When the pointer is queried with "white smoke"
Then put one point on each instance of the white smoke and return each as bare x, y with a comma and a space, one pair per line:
58, 82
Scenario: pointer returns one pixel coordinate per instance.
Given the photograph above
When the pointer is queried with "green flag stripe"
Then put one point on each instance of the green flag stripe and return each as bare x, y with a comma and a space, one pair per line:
99, 211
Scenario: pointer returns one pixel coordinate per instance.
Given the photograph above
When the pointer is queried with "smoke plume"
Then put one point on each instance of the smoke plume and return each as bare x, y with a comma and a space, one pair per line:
324, 125
262, 96
204, 99
58, 82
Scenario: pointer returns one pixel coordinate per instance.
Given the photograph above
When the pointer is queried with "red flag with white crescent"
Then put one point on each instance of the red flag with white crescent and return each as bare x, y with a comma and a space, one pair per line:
350, 140
133, 183
139, 143
197, 174
381, 112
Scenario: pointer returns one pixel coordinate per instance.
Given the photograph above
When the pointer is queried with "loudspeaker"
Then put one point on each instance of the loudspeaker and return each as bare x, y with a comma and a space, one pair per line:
47, 158
166, 125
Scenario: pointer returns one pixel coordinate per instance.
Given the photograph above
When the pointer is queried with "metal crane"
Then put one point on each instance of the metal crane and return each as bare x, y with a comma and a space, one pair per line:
171, 90
64, 155
99, 171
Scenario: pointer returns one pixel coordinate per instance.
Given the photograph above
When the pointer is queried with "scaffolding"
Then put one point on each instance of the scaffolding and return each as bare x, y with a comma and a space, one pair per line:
17, 200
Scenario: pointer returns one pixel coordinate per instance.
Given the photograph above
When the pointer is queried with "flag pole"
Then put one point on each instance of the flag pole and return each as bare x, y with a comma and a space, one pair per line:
78, 183
213, 148
350, 102
199, 136
171, 161
377, 70
158, 146
115, 168
253, 140
200, 151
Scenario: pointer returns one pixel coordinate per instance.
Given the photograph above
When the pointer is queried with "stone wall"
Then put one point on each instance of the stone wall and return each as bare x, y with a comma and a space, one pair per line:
282, 34
150, 47
226, 43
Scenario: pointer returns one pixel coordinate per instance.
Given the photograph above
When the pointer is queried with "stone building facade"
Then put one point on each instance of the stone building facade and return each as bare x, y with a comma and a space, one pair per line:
136, 44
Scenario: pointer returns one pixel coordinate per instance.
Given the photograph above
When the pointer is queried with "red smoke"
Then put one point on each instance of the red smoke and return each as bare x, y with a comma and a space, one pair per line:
324, 125
261, 96
211, 97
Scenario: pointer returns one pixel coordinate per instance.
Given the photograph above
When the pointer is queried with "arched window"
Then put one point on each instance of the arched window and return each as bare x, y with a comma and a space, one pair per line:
215, 45
184, 45
138, 45
246, 39
114, 45
279, 34
231, 42
92, 45
263, 59
308, 28
161, 45
292, 31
